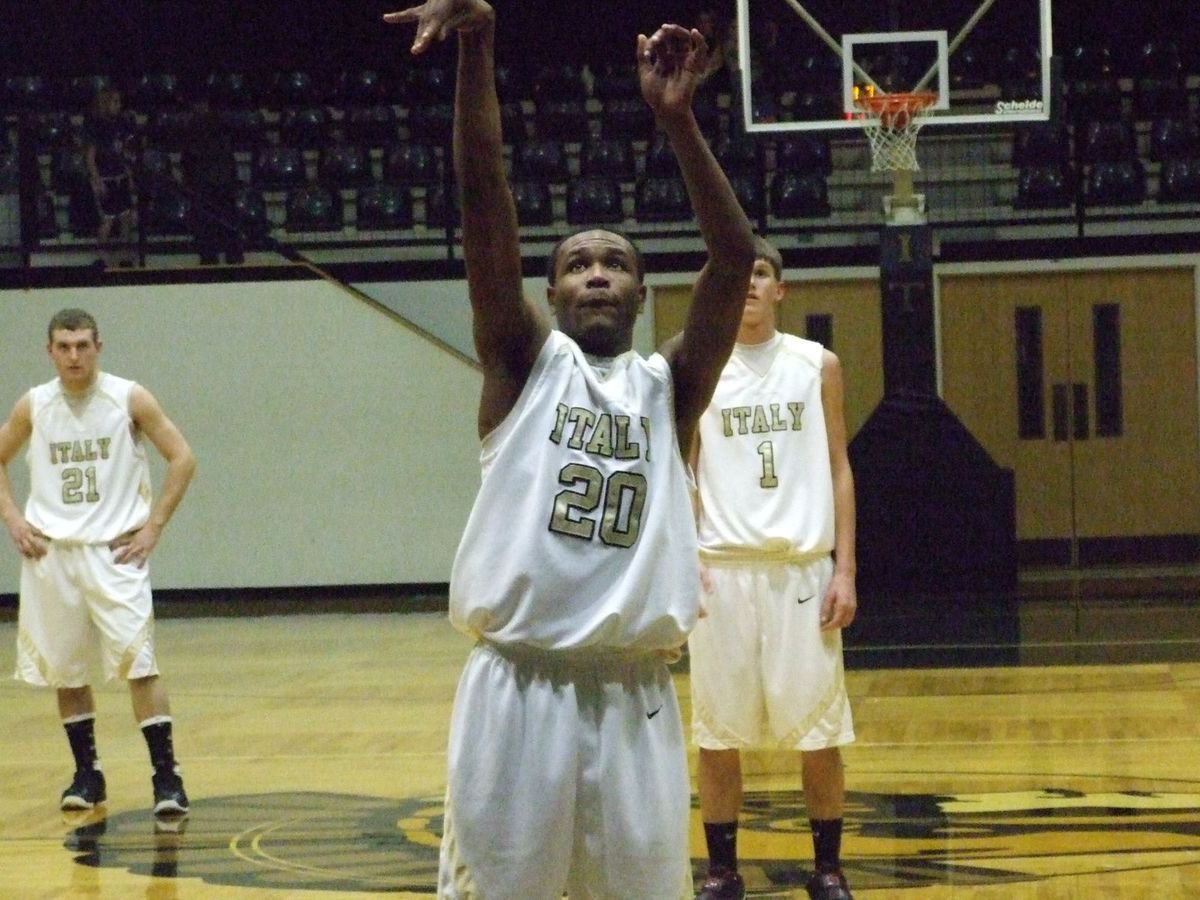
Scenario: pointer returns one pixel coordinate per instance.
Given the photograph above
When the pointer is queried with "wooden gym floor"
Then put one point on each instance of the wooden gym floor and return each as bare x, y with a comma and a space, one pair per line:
313, 748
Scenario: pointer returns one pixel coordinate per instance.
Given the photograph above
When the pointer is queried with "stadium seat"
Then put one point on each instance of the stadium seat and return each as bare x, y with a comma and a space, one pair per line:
169, 128
628, 118
169, 213
296, 88
562, 120
361, 87
441, 207
1093, 91
313, 208
372, 126
511, 87
82, 89
814, 107
245, 126
28, 93
595, 200
1108, 141
230, 90
662, 199
412, 163
428, 84
608, 157
383, 207
1174, 138
250, 206
513, 123
749, 190
1020, 73
342, 165
616, 81
1041, 143
1115, 183
540, 159
431, 122
156, 91
799, 195
803, 153
1045, 187
741, 155
54, 131
660, 159
305, 127
563, 81
1159, 86
1179, 181
534, 203
278, 168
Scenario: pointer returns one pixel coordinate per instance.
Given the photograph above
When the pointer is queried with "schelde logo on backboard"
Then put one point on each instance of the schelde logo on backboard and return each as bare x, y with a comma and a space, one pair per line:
1008, 107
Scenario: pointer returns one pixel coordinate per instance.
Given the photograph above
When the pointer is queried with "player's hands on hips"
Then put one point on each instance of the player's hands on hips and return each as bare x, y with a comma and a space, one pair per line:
437, 19
29, 541
840, 603
134, 548
671, 63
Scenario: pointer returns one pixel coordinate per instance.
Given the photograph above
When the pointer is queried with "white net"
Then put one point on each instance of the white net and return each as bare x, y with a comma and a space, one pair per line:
892, 123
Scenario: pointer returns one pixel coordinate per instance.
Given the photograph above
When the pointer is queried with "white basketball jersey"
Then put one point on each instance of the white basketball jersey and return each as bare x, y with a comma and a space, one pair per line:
764, 473
88, 475
582, 532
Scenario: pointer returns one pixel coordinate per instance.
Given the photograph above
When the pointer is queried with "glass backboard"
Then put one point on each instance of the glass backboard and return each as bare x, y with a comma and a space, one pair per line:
988, 61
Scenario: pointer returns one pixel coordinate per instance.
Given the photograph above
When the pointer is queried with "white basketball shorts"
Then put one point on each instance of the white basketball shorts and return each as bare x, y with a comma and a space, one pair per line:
763, 674
565, 772
79, 612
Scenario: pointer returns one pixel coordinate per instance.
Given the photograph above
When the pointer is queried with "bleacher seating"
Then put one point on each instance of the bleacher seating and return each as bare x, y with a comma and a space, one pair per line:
583, 148
313, 207
594, 200
383, 207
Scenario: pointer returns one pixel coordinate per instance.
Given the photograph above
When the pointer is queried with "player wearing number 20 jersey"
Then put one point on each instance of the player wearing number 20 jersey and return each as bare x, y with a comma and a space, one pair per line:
575, 539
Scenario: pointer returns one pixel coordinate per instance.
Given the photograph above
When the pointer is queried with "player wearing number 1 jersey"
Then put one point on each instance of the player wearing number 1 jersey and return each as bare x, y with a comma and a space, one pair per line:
85, 534
567, 764
776, 530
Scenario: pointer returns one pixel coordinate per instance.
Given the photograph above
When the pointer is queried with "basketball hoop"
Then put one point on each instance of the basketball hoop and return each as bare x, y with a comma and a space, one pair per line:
892, 122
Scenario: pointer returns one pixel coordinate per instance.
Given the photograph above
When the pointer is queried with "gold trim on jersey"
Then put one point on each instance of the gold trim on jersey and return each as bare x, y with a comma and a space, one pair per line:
773, 550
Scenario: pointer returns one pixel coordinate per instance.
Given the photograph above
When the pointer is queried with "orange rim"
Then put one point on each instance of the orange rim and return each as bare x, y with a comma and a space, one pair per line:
881, 104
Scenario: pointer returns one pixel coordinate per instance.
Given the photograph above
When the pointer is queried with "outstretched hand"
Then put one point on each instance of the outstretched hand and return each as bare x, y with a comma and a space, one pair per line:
437, 19
671, 63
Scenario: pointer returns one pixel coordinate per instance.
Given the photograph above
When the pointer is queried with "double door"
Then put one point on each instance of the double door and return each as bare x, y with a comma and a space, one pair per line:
1085, 384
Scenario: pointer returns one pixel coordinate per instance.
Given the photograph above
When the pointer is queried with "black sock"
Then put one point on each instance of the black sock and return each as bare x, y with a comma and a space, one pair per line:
721, 838
827, 843
157, 732
81, 734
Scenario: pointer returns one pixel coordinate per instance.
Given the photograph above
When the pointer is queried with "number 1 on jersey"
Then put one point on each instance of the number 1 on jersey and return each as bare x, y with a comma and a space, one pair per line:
767, 451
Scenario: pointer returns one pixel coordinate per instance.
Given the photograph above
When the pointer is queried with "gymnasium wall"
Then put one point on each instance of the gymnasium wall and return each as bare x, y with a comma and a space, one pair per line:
336, 445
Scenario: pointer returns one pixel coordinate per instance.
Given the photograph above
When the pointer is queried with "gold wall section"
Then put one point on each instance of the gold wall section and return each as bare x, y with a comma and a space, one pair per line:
1144, 481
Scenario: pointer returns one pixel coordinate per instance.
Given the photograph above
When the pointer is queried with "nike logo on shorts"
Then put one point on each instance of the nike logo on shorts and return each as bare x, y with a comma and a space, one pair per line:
805, 599
651, 715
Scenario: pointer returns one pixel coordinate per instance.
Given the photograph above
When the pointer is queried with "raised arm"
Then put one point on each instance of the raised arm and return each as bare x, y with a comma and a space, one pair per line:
671, 63
508, 329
